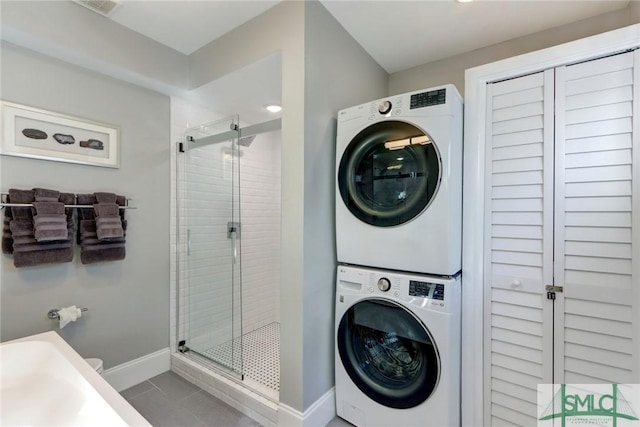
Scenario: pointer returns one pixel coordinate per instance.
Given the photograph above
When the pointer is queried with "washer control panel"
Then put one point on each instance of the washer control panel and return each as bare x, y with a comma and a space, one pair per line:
420, 291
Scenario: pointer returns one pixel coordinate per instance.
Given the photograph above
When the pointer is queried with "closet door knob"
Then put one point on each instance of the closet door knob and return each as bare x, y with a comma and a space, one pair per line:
516, 283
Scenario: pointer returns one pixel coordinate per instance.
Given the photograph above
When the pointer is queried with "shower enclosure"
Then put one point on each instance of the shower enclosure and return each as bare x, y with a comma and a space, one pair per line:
221, 323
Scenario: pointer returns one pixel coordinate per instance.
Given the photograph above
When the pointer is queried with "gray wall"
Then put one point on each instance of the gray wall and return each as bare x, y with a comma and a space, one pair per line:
338, 74
451, 70
128, 300
82, 37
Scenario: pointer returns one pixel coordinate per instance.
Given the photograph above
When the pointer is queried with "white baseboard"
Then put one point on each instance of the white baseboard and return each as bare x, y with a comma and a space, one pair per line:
135, 371
289, 417
319, 414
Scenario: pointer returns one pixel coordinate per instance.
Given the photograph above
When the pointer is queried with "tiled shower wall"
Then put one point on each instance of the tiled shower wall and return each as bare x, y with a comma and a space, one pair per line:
209, 293
260, 221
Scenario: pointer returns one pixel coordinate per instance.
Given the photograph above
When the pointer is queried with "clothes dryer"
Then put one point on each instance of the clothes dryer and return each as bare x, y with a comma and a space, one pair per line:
397, 358
399, 182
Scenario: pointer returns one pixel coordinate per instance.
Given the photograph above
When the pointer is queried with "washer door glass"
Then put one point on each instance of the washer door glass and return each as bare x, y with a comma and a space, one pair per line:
389, 173
388, 353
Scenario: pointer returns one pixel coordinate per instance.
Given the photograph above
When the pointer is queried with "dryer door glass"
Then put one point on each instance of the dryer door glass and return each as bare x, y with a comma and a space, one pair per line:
388, 353
389, 173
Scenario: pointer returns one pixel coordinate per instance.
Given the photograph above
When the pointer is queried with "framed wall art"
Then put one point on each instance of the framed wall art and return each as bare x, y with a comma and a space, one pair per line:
40, 134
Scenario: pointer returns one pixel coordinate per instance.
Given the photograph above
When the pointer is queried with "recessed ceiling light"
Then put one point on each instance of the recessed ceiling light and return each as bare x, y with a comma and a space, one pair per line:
464, 1
274, 108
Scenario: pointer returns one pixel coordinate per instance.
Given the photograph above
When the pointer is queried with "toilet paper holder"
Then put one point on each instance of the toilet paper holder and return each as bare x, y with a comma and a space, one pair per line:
53, 313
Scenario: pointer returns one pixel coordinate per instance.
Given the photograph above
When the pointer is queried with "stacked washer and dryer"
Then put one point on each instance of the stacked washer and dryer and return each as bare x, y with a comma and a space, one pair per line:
398, 234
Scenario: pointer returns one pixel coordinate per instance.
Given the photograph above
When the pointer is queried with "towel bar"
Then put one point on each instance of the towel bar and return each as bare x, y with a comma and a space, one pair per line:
26, 205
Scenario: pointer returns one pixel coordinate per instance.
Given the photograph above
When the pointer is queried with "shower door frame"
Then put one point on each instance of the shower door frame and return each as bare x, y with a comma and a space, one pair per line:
234, 134
230, 170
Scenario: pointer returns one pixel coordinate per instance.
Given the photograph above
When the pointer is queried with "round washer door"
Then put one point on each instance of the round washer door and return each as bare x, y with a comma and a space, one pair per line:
388, 353
389, 173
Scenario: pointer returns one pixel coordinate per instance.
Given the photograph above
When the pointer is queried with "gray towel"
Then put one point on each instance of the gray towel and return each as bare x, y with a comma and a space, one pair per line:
69, 199
49, 208
51, 232
44, 220
88, 233
50, 221
105, 197
21, 228
27, 251
46, 256
95, 255
7, 240
38, 247
93, 250
85, 214
108, 222
21, 225
21, 197
45, 195
86, 199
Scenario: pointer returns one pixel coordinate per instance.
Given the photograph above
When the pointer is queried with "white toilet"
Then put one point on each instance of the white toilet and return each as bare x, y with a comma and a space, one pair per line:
96, 364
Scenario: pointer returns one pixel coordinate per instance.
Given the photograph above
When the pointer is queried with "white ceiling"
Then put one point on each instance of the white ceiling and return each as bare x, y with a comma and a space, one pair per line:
398, 34
187, 25
245, 92
402, 34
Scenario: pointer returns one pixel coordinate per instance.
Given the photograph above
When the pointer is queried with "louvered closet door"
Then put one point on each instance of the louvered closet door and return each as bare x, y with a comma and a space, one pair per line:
596, 316
561, 209
519, 247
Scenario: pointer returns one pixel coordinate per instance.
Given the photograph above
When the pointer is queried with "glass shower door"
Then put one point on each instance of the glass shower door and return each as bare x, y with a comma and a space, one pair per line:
212, 230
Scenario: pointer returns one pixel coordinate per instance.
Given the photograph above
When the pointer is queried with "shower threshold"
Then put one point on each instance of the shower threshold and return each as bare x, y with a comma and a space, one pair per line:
260, 359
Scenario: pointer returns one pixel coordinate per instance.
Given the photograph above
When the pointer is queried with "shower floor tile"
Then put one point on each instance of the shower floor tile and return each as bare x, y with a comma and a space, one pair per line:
260, 355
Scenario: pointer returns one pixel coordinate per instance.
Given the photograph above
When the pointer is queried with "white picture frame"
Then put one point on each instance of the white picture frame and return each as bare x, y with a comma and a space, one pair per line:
46, 135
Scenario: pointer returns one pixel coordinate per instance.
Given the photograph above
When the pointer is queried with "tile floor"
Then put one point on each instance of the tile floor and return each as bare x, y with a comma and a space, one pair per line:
170, 400
260, 355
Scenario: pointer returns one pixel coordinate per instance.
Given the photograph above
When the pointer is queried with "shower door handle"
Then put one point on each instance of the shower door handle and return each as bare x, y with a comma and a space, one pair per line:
235, 247
233, 232
188, 241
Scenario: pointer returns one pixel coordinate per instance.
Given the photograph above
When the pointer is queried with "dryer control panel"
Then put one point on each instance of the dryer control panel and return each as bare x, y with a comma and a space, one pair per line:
443, 100
429, 98
426, 290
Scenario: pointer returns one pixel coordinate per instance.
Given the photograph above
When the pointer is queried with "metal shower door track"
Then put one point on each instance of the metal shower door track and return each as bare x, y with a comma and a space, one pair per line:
256, 129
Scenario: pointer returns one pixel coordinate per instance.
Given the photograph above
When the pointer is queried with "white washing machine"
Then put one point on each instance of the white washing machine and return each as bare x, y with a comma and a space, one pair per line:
397, 359
399, 182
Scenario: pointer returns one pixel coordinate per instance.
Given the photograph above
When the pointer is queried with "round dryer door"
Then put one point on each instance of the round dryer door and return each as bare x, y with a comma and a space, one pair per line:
388, 353
389, 173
